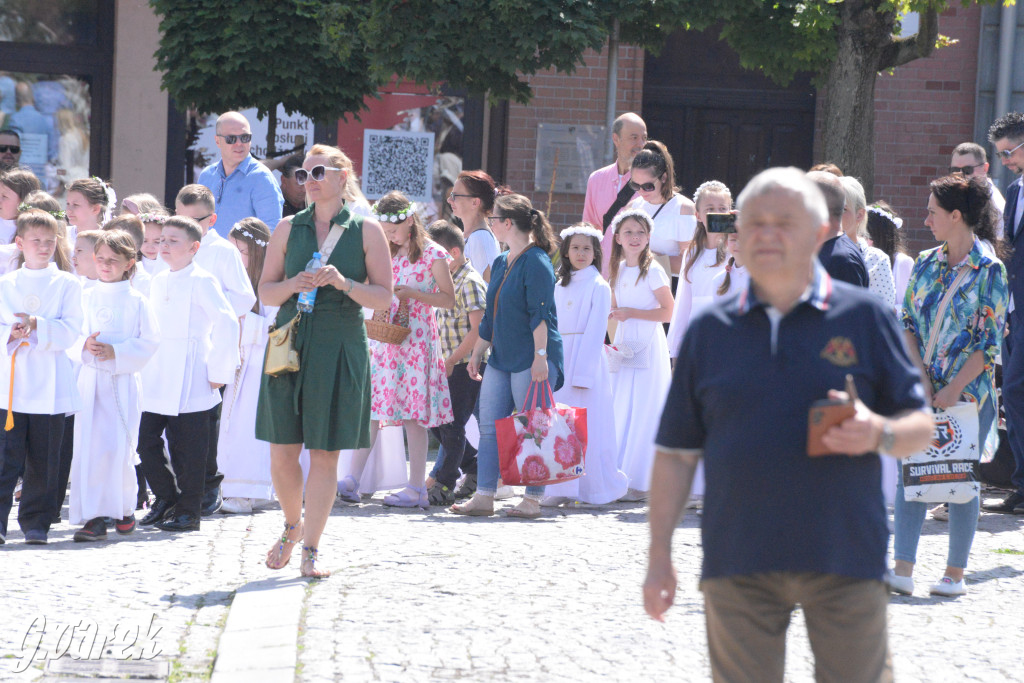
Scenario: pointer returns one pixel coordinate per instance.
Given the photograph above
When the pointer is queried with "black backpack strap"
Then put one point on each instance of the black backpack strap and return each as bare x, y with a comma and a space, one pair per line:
621, 199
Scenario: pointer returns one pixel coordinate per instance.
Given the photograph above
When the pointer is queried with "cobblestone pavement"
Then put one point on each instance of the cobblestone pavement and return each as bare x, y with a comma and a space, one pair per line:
428, 596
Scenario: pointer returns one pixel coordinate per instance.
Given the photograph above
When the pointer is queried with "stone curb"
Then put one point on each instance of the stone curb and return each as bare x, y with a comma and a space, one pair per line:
260, 637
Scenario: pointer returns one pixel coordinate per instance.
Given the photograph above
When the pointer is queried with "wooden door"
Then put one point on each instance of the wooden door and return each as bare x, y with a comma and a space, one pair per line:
721, 121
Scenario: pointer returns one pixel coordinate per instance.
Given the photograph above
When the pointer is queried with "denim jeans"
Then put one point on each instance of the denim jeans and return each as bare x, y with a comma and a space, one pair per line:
963, 517
501, 394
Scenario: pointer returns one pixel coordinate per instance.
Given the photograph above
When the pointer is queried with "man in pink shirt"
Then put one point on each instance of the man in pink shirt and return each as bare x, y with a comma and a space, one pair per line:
607, 187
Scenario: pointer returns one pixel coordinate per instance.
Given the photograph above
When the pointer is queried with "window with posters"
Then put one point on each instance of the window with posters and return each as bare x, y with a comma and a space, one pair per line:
49, 116
55, 87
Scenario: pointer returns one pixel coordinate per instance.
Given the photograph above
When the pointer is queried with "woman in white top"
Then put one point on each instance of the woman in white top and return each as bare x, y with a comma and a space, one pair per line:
673, 215
855, 219
472, 200
705, 258
883, 228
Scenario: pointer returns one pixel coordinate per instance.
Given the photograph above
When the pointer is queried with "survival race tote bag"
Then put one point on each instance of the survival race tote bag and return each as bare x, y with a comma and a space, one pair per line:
948, 470
542, 445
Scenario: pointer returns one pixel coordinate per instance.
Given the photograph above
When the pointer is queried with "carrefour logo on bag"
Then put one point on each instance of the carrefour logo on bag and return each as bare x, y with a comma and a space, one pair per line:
946, 439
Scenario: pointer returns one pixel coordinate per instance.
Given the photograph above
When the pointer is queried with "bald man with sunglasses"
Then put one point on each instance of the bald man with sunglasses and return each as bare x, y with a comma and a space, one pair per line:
10, 149
241, 186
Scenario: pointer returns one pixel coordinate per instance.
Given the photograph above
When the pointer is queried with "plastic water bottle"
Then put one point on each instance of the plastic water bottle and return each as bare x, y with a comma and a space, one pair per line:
306, 299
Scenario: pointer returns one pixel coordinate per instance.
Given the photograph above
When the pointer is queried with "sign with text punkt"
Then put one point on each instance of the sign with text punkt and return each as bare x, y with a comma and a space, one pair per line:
289, 127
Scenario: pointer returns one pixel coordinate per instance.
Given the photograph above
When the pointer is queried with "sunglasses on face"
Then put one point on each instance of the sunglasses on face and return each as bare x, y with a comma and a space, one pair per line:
13, 149
1007, 153
232, 139
317, 173
646, 187
966, 170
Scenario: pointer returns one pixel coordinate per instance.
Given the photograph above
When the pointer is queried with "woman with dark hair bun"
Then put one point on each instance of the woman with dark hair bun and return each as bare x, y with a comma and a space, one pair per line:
472, 200
954, 313
522, 334
673, 215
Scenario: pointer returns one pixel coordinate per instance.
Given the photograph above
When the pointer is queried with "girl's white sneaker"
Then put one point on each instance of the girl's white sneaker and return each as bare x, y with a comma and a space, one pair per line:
948, 588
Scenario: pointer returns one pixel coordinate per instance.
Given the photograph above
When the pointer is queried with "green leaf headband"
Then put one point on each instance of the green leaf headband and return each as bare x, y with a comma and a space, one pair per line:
59, 215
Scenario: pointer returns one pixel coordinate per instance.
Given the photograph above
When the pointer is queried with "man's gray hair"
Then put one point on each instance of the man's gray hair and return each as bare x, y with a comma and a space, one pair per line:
786, 179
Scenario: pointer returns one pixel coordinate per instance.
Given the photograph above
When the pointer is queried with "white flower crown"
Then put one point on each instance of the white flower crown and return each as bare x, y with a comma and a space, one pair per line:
636, 214
246, 233
397, 217
879, 211
581, 230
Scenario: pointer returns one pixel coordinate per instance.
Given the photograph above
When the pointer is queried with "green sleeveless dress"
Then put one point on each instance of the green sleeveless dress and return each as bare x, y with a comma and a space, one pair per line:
326, 404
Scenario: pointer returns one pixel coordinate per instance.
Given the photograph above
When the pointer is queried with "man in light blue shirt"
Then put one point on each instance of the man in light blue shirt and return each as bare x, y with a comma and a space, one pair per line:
36, 130
242, 186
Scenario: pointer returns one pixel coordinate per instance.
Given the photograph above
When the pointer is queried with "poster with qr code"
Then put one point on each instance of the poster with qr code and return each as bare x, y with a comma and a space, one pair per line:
398, 160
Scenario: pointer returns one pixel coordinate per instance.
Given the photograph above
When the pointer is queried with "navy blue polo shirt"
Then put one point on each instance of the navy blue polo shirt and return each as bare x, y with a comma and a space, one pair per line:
842, 260
768, 506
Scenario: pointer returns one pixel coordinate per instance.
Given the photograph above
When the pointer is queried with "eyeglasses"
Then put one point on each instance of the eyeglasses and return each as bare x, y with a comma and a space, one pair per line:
646, 187
317, 173
452, 196
495, 218
13, 149
1007, 153
966, 170
232, 139
200, 220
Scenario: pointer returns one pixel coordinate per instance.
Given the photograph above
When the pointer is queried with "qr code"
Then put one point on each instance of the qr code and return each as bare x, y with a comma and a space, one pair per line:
398, 160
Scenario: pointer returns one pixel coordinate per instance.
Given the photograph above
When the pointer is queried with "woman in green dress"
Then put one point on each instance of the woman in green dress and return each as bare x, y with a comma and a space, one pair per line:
326, 404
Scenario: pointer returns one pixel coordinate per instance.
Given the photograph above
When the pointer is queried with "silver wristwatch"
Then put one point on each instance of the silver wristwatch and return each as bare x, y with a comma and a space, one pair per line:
542, 352
888, 439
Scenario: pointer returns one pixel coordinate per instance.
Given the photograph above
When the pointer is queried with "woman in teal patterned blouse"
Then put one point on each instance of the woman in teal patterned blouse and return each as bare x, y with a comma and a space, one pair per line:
970, 334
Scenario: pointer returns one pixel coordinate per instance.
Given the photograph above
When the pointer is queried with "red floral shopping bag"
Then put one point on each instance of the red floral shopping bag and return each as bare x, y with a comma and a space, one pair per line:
542, 445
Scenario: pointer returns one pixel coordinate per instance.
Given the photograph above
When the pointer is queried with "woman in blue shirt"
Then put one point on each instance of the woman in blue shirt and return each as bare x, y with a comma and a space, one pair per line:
520, 329
968, 336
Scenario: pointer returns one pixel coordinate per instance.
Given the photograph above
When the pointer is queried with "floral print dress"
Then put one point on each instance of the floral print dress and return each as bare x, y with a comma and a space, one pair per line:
974, 321
409, 380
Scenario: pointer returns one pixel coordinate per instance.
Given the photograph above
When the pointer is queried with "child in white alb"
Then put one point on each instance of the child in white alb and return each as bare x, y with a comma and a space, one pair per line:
583, 301
218, 257
641, 302
704, 259
197, 355
245, 460
120, 337
40, 318
152, 227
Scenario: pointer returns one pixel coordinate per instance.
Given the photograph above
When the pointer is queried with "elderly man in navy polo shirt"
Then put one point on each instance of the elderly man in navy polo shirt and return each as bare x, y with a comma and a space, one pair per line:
242, 187
819, 536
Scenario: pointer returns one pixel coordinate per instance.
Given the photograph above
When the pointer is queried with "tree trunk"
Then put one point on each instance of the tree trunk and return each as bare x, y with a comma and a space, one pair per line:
865, 46
271, 134
848, 130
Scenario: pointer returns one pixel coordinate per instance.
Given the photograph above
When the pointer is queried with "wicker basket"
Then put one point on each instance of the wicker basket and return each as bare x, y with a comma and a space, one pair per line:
379, 329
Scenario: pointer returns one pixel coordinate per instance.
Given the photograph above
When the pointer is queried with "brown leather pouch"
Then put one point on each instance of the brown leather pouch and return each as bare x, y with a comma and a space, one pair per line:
824, 415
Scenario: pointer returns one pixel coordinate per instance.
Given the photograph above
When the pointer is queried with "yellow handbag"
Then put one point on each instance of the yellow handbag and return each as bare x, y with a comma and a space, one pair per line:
282, 357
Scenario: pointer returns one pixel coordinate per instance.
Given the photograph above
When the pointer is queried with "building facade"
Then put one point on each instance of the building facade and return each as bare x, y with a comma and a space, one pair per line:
91, 70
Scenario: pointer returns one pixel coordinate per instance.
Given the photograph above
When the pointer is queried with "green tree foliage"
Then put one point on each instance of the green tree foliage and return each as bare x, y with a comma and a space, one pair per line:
845, 43
218, 55
493, 47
